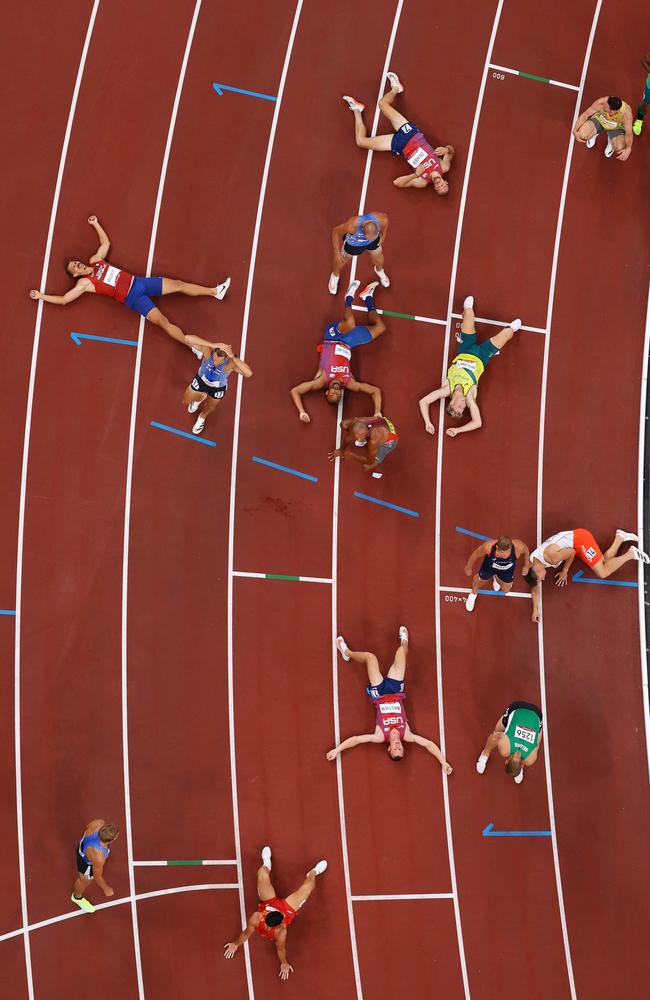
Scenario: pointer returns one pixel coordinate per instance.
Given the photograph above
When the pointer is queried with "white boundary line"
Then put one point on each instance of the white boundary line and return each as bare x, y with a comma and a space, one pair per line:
73, 914
540, 478
442, 322
22, 502
438, 624
640, 526
534, 77
233, 480
182, 864
408, 895
285, 577
484, 592
500, 323
127, 510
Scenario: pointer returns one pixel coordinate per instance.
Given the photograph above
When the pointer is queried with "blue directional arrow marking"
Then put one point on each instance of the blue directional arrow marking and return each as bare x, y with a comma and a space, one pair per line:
78, 337
220, 87
580, 577
489, 831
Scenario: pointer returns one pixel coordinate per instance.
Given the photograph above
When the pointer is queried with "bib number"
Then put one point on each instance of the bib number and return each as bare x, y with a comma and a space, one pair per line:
390, 708
527, 735
111, 276
343, 351
416, 158
470, 366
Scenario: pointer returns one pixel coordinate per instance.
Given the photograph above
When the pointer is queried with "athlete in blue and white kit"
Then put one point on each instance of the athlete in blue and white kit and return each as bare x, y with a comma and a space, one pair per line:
92, 852
210, 383
500, 557
360, 234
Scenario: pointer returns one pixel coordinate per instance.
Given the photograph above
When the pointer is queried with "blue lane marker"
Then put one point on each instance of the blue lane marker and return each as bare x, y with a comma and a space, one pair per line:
384, 503
473, 534
284, 468
184, 434
220, 87
580, 577
78, 337
489, 831
8, 613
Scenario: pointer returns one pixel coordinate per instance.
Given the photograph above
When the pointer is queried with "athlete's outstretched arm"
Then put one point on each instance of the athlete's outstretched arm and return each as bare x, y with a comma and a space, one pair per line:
230, 947
567, 556
61, 300
411, 737
354, 741
473, 424
410, 180
298, 392
280, 941
535, 594
521, 549
427, 401
370, 390
479, 552
104, 242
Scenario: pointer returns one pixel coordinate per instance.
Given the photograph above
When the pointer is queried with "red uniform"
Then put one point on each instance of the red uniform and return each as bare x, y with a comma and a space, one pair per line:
418, 153
111, 281
390, 714
335, 361
274, 904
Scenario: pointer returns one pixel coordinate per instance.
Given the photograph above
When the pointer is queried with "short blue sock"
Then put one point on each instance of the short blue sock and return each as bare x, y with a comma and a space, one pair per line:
370, 303
348, 301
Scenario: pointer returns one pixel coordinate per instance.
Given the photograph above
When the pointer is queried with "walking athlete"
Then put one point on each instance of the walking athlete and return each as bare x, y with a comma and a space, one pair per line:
210, 383
102, 278
378, 436
274, 915
429, 165
637, 126
334, 374
517, 735
360, 234
387, 695
609, 115
499, 559
91, 856
466, 369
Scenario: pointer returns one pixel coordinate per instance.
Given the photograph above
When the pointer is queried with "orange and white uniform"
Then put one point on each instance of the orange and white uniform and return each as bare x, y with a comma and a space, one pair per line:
580, 540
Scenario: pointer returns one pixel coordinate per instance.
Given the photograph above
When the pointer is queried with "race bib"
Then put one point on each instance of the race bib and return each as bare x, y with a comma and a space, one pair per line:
527, 735
111, 276
469, 365
343, 351
416, 158
390, 708
590, 553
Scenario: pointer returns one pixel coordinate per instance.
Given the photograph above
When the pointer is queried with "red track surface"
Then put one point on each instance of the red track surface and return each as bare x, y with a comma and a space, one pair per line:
179, 765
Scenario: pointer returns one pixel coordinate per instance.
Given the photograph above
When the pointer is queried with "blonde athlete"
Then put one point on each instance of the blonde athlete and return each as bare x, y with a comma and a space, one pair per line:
517, 736
612, 116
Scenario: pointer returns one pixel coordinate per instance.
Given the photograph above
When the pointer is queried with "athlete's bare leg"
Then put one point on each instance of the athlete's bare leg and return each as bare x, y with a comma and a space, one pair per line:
501, 339
375, 675
468, 325
192, 396
493, 739
388, 111
377, 258
611, 561
80, 886
340, 261
158, 319
209, 405
503, 587
171, 285
398, 668
381, 143
477, 583
618, 143
300, 896
587, 130
265, 888
375, 324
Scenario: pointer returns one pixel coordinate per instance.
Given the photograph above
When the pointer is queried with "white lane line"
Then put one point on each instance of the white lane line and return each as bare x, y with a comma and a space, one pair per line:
73, 914
408, 895
501, 323
22, 503
283, 576
484, 593
640, 476
540, 480
182, 864
233, 480
438, 623
533, 76
127, 510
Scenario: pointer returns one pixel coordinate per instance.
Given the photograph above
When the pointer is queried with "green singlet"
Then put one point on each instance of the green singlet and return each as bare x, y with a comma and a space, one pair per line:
523, 731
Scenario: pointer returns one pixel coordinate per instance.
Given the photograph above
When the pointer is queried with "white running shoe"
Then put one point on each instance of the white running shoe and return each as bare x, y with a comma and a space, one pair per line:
403, 633
481, 764
383, 277
515, 325
221, 289
639, 555
520, 777
592, 142
197, 351
342, 647
320, 868
333, 284
609, 149
353, 104
496, 585
369, 290
626, 536
193, 407
199, 425
470, 601
352, 288
468, 302
395, 82
266, 857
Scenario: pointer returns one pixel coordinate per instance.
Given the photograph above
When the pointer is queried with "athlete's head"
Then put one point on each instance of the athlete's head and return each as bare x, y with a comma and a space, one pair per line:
457, 403
274, 918
75, 267
614, 103
504, 544
536, 573
514, 764
370, 230
334, 393
395, 746
108, 832
440, 185
360, 431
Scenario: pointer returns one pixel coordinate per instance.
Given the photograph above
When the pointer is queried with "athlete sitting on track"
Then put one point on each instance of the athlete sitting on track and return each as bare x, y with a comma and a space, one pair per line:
499, 559
429, 164
135, 292
274, 914
334, 375
92, 852
387, 695
612, 116
378, 436
211, 381
563, 548
465, 371
517, 734
637, 127
360, 234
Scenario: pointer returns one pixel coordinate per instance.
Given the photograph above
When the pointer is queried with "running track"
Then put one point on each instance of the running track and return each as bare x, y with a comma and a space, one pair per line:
149, 669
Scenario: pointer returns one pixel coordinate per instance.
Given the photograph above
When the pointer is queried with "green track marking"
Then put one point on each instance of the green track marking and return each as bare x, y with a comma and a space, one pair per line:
531, 76
182, 864
387, 312
279, 576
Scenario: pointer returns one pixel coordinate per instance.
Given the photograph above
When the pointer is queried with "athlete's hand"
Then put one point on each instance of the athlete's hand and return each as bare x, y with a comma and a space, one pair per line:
335, 454
35, 294
624, 153
468, 570
535, 616
108, 891
332, 755
92, 219
447, 768
578, 137
377, 413
285, 969
305, 418
230, 949
429, 428
561, 579
451, 432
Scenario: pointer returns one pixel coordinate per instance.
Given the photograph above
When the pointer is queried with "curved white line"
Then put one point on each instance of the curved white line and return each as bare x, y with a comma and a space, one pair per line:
23, 497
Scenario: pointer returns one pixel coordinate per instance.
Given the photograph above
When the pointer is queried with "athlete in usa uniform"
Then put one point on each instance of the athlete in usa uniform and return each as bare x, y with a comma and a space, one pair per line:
102, 278
387, 696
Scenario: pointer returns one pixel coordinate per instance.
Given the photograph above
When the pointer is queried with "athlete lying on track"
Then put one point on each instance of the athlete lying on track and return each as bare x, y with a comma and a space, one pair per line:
377, 435
387, 695
517, 735
102, 278
563, 548
210, 383
274, 914
466, 369
334, 375
612, 116
499, 559
360, 234
92, 854
429, 164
